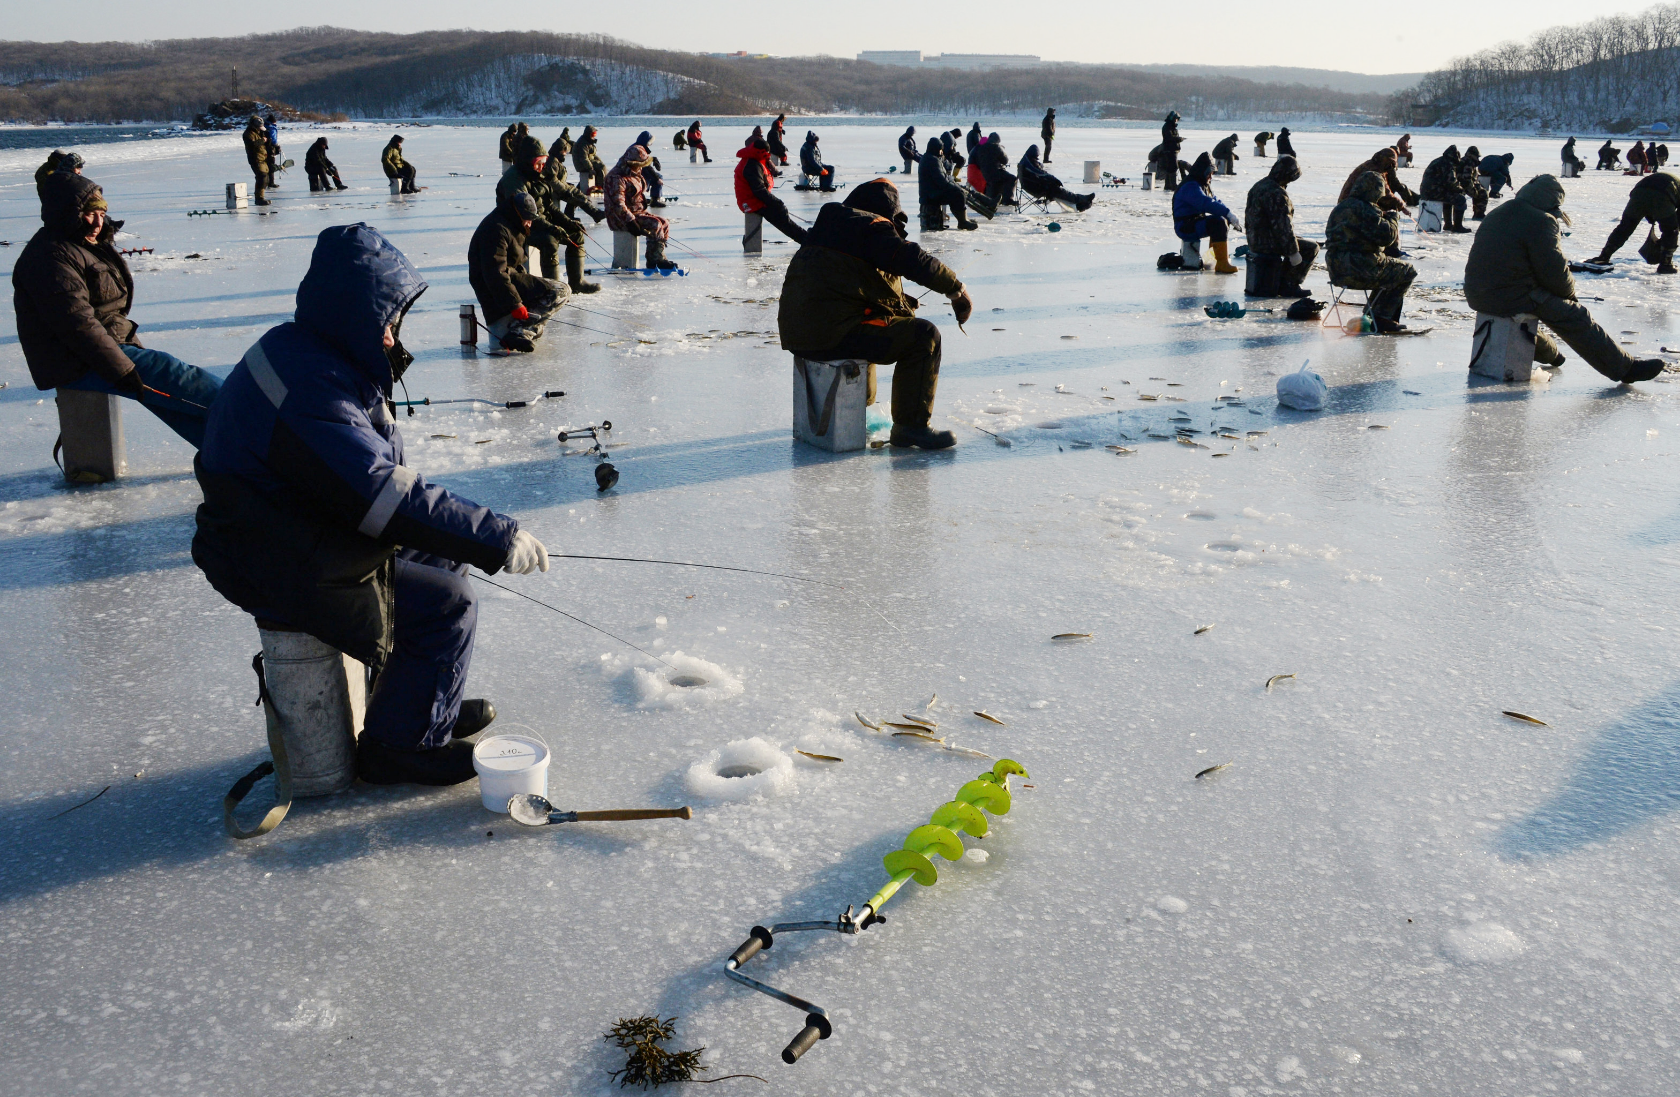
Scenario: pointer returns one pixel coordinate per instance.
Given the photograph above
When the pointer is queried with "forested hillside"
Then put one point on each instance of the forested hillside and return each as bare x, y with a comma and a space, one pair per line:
363, 74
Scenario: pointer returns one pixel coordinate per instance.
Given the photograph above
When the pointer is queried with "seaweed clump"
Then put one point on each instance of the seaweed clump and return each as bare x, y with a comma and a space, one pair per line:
648, 1064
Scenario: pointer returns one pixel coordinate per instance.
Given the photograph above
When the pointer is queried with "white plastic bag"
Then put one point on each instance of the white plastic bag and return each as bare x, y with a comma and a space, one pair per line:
1301, 390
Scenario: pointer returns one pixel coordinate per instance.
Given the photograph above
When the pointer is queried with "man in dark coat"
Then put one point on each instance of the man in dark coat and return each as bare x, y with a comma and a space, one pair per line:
1469, 177
1498, 171
1197, 213
1441, 183
311, 521
626, 198
1226, 149
843, 298
935, 187
71, 291
654, 173
1403, 148
954, 160
993, 164
1041, 184
1165, 155
504, 147
1517, 265
907, 149
1261, 139
811, 162
1384, 163
1655, 198
697, 141
586, 158
754, 179
1285, 146
395, 167
1636, 157
555, 172
54, 159
974, 138
1046, 131
777, 139
516, 304
1609, 156
553, 229
1569, 156
256, 155
1356, 241
322, 174
1270, 219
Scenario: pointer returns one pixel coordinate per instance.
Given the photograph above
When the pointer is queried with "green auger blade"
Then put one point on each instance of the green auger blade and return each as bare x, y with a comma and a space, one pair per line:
901, 860
984, 794
959, 816
930, 838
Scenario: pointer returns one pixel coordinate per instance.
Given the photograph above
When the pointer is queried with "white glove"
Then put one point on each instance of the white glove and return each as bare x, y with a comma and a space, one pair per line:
1295, 259
527, 555
1235, 223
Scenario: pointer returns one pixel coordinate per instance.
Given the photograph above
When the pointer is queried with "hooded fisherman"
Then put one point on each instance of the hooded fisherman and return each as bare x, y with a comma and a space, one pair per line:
72, 290
1517, 265
843, 298
811, 162
1270, 217
1356, 242
1655, 198
627, 207
311, 521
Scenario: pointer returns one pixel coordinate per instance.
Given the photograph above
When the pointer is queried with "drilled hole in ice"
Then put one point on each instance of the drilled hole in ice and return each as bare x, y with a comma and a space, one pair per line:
1202, 515
739, 769
687, 681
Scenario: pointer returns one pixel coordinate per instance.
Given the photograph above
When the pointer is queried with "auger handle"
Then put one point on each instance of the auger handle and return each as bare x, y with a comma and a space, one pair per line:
634, 813
752, 946
816, 1028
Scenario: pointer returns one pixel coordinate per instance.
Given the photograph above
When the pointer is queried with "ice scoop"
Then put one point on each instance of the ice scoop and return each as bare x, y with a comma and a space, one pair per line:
535, 811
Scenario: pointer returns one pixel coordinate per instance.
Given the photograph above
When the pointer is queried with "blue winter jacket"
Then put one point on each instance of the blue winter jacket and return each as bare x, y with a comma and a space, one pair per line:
306, 497
1191, 201
272, 131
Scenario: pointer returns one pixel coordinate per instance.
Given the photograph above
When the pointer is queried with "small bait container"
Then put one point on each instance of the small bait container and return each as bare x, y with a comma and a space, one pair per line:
509, 766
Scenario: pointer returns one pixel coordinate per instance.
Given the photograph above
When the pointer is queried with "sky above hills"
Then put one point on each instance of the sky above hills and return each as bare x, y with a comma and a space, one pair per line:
1380, 39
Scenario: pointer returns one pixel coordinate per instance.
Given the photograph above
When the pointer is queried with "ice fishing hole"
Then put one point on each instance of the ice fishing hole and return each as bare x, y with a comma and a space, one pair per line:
1050, 424
740, 769
687, 681
1223, 546
1201, 516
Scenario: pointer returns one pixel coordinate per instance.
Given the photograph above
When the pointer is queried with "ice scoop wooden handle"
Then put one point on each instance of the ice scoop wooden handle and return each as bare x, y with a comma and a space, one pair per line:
634, 813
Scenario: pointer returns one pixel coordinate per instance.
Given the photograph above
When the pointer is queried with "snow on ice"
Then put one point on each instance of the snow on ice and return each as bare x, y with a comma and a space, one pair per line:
1392, 888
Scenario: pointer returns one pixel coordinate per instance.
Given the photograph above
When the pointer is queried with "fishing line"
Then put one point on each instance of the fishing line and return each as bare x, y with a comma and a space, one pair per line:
181, 399
573, 617
685, 247
687, 564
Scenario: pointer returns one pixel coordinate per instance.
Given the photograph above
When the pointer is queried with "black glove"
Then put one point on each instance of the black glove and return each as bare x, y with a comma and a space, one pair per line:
129, 384
963, 306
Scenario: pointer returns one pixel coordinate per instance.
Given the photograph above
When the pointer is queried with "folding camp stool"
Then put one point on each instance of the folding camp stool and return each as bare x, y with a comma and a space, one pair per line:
1336, 304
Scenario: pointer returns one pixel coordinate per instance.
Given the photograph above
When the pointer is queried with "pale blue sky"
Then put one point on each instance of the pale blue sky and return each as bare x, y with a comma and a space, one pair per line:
1375, 38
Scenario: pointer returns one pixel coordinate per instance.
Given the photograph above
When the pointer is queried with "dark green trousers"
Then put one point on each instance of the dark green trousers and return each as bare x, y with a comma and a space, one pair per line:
912, 345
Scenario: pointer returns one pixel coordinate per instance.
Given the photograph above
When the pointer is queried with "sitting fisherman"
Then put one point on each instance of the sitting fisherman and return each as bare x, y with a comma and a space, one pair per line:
843, 298
679, 140
1655, 198
1271, 227
71, 291
54, 159
954, 160
1636, 157
311, 521
1198, 213
552, 228
1517, 266
1569, 157
516, 303
754, 178
1226, 149
1356, 240
1469, 177
1041, 184
654, 174
1384, 163
396, 167
1609, 156
993, 165
586, 158
811, 162
1403, 148
697, 140
1441, 183
934, 186
321, 171
627, 206
555, 172
907, 149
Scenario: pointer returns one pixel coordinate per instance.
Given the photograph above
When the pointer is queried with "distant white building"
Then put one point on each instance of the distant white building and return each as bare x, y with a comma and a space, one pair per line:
914, 59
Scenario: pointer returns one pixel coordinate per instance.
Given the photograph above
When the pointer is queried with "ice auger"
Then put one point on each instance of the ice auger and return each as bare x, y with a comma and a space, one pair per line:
963, 815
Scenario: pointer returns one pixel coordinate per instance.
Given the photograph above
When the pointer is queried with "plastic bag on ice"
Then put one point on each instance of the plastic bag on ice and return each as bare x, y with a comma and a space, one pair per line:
1301, 390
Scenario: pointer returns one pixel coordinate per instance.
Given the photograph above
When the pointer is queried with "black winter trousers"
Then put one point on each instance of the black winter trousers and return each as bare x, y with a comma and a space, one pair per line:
914, 345
775, 211
1639, 211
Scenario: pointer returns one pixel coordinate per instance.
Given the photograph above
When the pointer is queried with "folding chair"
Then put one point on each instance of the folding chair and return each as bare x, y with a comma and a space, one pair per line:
1030, 203
1336, 304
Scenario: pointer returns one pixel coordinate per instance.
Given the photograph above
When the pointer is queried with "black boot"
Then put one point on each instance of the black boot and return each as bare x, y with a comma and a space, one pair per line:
1456, 220
922, 437
1083, 202
1643, 370
378, 764
476, 714
656, 255
574, 273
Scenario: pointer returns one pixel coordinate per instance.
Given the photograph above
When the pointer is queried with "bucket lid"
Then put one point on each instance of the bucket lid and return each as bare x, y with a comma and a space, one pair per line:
508, 753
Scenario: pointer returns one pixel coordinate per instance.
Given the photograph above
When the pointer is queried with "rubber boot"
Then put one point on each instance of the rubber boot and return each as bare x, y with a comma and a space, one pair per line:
1455, 220
1667, 264
574, 273
1643, 370
923, 437
378, 764
476, 714
1221, 259
656, 255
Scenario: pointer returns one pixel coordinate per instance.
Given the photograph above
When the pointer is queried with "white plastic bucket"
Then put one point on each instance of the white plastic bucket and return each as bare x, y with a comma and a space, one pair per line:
509, 765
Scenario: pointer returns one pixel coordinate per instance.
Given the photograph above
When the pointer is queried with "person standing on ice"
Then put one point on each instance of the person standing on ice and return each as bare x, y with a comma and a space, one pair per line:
1198, 213
271, 130
1517, 265
256, 155
312, 522
1656, 199
754, 178
71, 291
907, 149
516, 303
1046, 131
843, 298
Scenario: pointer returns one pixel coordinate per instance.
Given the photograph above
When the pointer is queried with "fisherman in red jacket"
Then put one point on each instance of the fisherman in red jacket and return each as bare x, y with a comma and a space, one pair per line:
753, 181
696, 141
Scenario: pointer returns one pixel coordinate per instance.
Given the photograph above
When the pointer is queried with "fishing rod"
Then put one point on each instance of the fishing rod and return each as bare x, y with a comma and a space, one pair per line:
428, 401
687, 564
159, 392
573, 617
685, 247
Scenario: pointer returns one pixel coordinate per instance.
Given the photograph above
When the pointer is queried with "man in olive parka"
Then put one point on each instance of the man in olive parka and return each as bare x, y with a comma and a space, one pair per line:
553, 229
555, 172
1655, 198
1516, 265
1356, 239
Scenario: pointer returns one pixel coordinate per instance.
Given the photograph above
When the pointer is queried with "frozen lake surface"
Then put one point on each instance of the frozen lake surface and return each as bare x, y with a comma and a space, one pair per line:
1392, 889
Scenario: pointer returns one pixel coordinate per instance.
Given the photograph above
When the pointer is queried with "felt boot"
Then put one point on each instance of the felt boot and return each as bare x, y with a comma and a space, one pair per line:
378, 764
